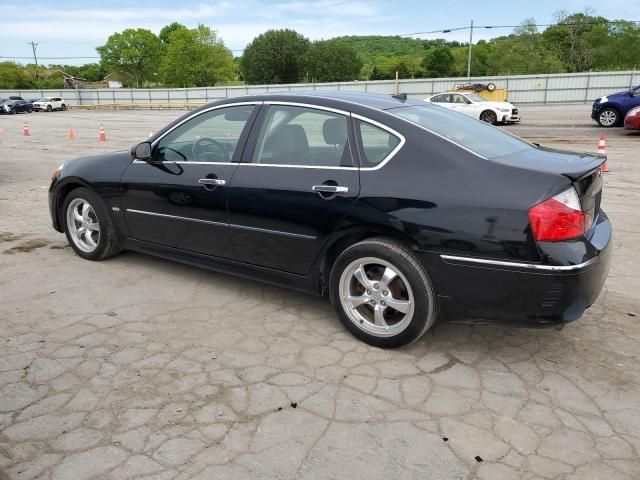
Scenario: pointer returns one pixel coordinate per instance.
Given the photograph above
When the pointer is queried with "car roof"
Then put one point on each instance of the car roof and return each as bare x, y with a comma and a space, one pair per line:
371, 100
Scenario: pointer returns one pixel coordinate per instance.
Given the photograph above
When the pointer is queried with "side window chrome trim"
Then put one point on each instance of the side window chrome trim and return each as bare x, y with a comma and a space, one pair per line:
388, 129
190, 117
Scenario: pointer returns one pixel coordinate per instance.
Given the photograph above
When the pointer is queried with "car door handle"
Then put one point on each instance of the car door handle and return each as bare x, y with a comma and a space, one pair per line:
330, 189
212, 181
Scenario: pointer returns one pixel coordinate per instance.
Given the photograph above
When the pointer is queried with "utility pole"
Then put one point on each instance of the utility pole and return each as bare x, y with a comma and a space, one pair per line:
35, 58
469, 57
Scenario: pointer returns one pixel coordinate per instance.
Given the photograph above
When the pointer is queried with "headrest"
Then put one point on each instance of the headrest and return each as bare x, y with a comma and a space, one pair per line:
334, 131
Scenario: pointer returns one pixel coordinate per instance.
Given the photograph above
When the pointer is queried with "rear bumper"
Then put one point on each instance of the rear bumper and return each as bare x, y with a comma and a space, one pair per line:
525, 293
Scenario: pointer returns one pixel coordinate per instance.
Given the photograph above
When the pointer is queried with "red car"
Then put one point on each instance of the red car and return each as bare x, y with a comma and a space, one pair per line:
632, 120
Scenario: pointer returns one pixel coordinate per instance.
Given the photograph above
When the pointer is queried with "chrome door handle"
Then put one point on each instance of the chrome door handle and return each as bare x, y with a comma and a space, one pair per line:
212, 181
329, 189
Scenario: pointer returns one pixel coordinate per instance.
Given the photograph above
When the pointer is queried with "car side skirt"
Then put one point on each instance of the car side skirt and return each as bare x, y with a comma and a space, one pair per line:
303, 283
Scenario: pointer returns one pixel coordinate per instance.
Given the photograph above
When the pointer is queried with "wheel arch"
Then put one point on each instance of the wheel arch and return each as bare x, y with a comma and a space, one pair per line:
343, 239
62, 191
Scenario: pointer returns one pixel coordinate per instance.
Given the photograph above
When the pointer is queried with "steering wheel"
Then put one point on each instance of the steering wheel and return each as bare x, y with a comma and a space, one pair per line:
202, 151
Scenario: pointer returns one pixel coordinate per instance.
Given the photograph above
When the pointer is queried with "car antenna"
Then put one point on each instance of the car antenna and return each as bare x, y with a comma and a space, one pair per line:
400, 96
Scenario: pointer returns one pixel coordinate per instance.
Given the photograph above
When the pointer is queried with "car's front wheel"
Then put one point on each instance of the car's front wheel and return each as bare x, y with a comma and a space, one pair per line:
382, 294
63, 107
87, 226
489, 116
608, 117
49, 108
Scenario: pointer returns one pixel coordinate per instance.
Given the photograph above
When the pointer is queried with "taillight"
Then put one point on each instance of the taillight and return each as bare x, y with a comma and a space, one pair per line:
559, 218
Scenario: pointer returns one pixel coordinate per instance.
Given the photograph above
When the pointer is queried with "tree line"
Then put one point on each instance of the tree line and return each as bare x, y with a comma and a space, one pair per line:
196, 57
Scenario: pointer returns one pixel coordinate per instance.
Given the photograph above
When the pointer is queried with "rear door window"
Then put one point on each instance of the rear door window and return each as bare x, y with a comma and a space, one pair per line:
300, 136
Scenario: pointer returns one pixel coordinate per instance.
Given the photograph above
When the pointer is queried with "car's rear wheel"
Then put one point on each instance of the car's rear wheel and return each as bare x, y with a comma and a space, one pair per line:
87, 226
382, 294
489, 116
608, 117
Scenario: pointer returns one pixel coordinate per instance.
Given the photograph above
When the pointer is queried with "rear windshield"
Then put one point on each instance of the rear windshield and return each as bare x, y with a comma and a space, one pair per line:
485, 140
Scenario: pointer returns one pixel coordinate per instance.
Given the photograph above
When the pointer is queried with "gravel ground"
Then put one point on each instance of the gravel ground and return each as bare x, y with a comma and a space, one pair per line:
141, 368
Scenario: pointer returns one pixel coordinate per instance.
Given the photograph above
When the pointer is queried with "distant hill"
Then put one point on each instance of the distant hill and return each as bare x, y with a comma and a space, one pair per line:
368, 47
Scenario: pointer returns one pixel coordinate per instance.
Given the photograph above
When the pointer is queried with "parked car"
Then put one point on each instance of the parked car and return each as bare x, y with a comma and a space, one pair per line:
632, 119
16, 106
610, 110
401, 211
475, 106
15, 97
49, 104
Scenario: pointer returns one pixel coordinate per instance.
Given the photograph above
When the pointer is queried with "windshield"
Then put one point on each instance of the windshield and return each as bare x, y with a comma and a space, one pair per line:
485, 140
45, 99
475, 98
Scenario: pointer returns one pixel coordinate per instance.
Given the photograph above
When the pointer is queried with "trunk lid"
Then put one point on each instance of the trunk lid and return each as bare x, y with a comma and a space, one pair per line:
572, 165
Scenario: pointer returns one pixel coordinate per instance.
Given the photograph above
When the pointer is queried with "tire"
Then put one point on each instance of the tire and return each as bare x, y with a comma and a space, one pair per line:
491, 87
489, 116
608, 117
63, 107
103, 243
49, 108
410, 288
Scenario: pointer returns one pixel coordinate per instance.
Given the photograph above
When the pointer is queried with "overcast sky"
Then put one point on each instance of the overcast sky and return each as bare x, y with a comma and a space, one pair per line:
67, 28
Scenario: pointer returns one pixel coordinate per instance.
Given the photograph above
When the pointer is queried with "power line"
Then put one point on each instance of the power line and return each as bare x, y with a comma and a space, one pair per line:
442, 30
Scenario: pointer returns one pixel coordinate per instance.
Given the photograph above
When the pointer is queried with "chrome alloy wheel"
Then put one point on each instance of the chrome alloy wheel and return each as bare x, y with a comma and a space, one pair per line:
376, 296
83, 225
608, 118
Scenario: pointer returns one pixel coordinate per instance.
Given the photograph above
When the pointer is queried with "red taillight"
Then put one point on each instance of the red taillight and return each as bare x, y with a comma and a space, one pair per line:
559, 218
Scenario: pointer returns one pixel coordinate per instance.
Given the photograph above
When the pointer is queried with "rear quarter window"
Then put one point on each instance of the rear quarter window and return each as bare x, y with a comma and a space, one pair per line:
377, 144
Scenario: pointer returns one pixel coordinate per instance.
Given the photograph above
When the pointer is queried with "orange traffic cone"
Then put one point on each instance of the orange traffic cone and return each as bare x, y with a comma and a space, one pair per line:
25, 130
103, 136
71, 134
602, 150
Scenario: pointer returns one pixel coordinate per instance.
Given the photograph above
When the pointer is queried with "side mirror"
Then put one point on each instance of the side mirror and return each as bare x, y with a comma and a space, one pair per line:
142, 151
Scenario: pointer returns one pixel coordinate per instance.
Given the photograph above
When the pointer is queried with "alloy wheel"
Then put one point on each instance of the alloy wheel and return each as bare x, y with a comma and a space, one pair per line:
83, 225
376, 296
488, 117
608, 118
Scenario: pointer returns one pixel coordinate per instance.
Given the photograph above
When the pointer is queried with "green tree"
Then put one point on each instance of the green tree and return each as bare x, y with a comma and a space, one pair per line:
168, 30
524, 52
196, 58
13, 75
276, 56
332, 61
438, 62
133, 53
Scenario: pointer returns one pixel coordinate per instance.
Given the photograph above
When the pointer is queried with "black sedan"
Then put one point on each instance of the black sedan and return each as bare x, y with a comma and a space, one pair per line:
12, 106
401, 212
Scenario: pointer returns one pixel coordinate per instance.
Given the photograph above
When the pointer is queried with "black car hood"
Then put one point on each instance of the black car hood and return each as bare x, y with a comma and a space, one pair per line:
103, 166
570, 164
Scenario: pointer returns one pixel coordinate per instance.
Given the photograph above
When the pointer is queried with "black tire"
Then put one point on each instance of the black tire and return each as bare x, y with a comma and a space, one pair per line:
108, 244
489, 116
608, 117
491, 87
49, 108
12, 112
63, 108
425, 307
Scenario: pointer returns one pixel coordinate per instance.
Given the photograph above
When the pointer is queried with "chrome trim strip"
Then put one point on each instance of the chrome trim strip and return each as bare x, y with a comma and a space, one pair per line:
175, 217
274, 232
528, 266
306, 105
221, 224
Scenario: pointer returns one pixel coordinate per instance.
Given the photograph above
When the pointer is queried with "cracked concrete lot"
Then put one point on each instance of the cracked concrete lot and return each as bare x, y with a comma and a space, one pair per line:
140, 368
